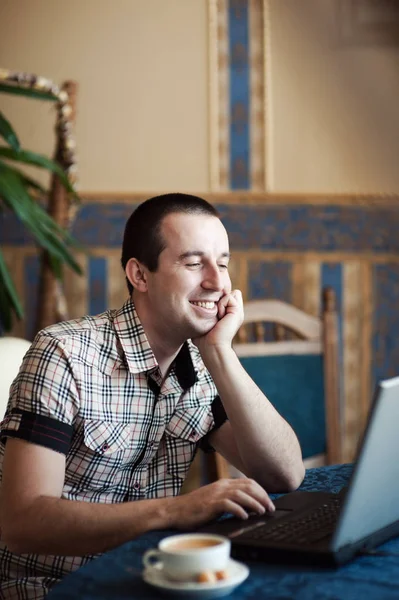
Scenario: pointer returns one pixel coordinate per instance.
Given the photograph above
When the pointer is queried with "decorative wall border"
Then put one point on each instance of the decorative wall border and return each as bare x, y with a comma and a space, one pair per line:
346, 229
236, 94
214, 102
267, 98
251, 198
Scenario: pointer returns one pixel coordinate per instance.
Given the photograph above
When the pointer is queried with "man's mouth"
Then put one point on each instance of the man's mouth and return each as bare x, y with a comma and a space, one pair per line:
209, 305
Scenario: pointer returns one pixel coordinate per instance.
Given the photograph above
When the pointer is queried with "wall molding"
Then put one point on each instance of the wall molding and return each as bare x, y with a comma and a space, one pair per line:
267, 98
253, 198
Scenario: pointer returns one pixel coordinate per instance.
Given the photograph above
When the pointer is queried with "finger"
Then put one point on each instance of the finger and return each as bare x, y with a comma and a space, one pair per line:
247, 493
221, 310
237, 294
253, 489
248, 502
222, 304
235, 509
225, 303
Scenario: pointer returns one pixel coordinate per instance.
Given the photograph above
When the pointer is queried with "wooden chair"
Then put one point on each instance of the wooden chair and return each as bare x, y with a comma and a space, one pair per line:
298, 371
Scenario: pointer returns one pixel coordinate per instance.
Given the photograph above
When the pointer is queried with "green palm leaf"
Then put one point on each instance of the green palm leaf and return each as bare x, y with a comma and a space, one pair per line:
8, 133
18, 199
49, 224
38, 160
28, 181
23, 196
8, 296
42, 215
56, 266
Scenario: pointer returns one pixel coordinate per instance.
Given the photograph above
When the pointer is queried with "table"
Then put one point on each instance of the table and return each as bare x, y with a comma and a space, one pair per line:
116, 574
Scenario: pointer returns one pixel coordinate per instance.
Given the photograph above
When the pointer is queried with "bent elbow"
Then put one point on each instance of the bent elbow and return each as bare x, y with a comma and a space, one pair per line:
294, 479
293, 483
288, 481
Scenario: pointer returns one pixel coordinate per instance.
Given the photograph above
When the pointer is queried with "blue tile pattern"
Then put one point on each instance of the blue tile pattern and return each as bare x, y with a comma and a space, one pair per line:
385, 322
332, 276
269, 280
264, 227
312, 227
31, 272
239, 94
97, 285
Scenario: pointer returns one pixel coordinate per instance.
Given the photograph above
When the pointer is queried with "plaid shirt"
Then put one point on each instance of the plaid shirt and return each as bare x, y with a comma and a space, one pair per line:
92, 390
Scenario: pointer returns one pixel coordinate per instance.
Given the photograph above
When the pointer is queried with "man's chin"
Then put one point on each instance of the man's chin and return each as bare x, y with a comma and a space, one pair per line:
199, 331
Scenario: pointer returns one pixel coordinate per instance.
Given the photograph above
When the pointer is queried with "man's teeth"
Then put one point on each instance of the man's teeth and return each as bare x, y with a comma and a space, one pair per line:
204, 304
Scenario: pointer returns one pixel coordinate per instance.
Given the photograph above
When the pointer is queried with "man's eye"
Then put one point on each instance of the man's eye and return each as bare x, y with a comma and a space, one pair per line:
193, 264
223, 266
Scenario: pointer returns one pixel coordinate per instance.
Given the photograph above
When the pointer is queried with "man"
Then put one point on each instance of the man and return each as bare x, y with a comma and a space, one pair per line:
107, 412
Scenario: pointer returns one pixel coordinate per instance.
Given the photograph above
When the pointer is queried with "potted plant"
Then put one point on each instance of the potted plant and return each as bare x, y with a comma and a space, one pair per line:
25, 197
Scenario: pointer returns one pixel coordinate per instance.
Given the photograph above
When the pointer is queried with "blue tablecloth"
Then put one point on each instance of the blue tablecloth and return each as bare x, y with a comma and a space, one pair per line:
116, 575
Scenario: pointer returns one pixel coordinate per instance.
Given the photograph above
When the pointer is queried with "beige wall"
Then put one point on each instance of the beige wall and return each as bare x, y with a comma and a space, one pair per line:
141, 69
334, 103
141, 66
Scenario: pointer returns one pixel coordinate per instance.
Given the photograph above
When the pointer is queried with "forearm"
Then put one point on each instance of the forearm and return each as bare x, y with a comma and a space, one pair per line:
268, 447
72, 528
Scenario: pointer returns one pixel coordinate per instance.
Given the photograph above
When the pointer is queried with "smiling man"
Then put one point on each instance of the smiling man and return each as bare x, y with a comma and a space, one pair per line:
107, 412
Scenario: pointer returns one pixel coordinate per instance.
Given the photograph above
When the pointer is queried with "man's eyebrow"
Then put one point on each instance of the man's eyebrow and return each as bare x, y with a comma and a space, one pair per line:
200, 254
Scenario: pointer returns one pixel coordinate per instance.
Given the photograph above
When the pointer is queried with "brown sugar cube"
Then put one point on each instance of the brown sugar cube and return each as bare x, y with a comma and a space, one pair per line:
221, 575
206, 577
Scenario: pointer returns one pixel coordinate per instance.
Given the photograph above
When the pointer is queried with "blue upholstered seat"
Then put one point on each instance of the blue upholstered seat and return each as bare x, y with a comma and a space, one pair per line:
295, 386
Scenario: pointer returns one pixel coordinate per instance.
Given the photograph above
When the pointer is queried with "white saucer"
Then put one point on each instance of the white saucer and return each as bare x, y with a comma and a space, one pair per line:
237, 573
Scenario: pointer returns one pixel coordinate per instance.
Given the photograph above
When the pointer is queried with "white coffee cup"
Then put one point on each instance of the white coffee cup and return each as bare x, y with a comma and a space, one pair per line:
182, 557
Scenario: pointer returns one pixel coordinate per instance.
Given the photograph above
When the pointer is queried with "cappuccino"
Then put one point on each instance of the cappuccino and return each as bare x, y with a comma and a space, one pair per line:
191, 544
184, 557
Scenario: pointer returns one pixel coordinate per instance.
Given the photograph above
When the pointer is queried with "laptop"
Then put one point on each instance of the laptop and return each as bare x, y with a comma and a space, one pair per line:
326, 528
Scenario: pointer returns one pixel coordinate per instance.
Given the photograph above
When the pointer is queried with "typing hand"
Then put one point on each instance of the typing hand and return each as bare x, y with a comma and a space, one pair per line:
236, 496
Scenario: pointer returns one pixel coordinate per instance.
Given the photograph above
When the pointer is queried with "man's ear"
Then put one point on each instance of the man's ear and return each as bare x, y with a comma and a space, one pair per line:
135, 272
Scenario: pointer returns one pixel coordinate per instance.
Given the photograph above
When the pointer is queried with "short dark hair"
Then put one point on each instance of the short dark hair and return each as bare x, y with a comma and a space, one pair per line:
143, 239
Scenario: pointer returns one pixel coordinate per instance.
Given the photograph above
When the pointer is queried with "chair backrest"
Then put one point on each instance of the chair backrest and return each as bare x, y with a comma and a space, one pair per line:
297, 370
12, 351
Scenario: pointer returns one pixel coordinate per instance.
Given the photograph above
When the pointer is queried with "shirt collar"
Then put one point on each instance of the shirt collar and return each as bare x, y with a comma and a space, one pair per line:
138, 353
188, 363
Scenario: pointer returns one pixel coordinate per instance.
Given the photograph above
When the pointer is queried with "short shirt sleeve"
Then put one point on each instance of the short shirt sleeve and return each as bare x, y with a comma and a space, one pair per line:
43, 397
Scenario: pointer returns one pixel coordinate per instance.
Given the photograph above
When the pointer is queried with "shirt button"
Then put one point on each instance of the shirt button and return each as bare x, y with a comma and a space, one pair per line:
136, 485
193, 433
151, 444
105, 447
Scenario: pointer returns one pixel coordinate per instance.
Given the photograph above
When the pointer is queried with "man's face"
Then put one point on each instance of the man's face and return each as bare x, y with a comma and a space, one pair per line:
192, 276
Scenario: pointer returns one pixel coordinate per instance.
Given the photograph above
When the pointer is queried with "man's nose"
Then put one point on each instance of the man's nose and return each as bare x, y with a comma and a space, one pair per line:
213, 279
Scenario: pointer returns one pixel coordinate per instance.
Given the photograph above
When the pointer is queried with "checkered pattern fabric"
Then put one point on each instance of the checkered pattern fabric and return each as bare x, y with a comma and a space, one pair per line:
92, 389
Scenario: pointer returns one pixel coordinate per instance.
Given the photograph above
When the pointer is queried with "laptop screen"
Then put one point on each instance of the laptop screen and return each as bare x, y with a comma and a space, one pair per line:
372, 500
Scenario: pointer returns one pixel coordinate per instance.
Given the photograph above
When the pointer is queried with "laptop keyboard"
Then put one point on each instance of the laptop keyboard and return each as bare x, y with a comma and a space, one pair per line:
309, 527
